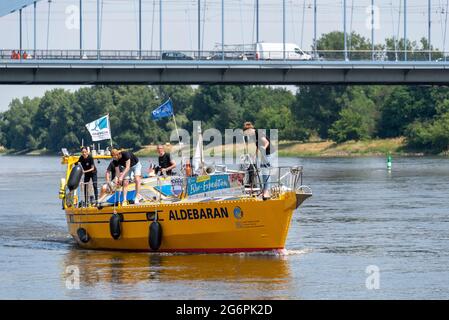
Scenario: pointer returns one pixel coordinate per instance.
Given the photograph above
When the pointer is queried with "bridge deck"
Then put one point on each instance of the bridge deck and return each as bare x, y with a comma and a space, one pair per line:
226, 72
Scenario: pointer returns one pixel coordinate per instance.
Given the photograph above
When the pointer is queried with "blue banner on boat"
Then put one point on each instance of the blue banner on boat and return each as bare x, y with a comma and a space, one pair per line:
203, 184
129, 196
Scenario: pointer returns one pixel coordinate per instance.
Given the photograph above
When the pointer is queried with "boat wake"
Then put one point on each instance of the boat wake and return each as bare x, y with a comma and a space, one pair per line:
35, 235
279, 252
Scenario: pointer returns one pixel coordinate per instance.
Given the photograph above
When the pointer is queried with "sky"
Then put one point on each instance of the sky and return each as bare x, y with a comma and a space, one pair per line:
119, 25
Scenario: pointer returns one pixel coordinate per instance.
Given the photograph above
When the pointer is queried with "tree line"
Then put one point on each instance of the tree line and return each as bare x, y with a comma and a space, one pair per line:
339, 113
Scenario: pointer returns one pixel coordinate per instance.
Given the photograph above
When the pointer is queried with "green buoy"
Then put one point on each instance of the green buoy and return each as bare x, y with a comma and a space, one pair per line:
389, 162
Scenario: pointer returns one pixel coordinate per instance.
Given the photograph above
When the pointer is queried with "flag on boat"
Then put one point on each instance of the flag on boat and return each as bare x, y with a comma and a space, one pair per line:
198, 160
164, 110
99, 129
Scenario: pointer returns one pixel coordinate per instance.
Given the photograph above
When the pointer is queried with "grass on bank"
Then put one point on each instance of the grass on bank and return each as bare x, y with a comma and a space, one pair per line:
376, 147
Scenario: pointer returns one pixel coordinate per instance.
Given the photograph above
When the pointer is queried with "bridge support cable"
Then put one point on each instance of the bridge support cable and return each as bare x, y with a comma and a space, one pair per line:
160, 28
283, 29
429, 21
445, 29
405, 30
34, 29
81, 28
372, 31
222, 30
140, 29
302, 23
257, 21
48, 22
315, 54
199, 28
345, 37
20, 33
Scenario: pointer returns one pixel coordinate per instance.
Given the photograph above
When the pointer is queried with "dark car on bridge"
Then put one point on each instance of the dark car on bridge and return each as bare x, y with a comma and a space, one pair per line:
175, 55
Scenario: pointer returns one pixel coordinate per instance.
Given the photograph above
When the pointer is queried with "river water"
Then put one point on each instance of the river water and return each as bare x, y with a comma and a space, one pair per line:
365, 234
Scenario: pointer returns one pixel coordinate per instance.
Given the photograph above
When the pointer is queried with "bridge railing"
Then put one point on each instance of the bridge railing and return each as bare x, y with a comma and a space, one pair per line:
217, 55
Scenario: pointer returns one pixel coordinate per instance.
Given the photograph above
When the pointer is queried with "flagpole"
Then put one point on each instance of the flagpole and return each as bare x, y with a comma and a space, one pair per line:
174, 120
177, 132
176, 128
109, 126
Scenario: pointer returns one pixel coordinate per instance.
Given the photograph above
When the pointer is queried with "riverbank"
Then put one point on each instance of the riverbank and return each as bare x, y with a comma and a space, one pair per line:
27, 152
375, 147
368, 148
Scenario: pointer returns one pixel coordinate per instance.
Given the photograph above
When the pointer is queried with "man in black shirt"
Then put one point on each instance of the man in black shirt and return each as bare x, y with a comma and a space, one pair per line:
109, 186
131, 164
90, 172
166, 163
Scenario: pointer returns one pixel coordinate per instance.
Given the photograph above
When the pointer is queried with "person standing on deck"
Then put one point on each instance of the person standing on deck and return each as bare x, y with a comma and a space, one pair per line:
131, 164
263, 146
90, 172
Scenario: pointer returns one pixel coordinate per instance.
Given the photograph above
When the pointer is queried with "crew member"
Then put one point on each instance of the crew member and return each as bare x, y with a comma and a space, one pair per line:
111, 179
264, 148
166, 163
90, 172
131, 164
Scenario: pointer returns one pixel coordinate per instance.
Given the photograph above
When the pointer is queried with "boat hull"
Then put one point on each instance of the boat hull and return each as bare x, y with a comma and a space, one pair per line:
239, 225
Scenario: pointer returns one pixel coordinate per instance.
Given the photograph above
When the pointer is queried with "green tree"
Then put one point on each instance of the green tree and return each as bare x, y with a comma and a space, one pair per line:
357, 118
132, 120
405, 105
316, 108
59, 120
17, 128
209, 102
416, 51
432, 135
332, 46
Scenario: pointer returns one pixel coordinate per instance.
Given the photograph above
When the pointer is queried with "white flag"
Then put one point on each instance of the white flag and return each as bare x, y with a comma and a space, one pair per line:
99, 129
198, 157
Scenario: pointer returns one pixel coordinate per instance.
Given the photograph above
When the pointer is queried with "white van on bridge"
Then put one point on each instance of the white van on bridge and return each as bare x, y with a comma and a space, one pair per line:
275, 51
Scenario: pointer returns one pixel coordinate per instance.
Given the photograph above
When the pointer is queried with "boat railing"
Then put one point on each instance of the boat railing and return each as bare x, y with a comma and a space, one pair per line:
282, 178
86, 194
275, 179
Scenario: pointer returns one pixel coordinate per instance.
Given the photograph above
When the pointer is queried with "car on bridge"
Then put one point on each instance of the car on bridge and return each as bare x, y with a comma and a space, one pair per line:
175, 55
232, 56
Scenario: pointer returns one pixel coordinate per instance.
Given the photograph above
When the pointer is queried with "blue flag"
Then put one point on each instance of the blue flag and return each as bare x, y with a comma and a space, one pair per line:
164, 110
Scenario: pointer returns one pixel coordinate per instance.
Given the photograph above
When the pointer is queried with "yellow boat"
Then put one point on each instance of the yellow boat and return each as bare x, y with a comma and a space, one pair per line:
210, 214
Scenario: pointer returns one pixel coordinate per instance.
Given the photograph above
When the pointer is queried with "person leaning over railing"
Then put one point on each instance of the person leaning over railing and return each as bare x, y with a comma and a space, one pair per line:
90, 172
111, 179
131, 164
